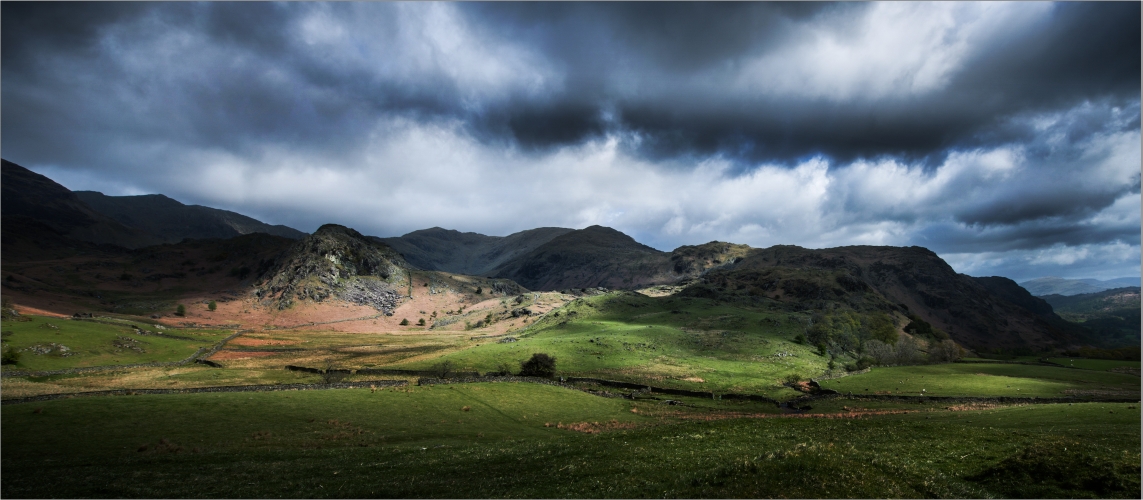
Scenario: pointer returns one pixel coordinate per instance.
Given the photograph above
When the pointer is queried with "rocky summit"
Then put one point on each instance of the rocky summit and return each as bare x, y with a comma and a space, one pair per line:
336, 262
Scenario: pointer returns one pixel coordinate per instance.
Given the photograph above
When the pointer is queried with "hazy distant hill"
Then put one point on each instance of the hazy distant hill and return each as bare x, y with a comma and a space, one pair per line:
173, 221
913, 280
44, 203
1113, 316
1062, 286
438, 249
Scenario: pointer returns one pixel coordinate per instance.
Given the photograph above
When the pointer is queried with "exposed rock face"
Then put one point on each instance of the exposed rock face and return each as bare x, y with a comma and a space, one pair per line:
337, 262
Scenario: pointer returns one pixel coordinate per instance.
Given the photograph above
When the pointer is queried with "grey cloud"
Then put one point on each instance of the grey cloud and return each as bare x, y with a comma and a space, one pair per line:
131, 89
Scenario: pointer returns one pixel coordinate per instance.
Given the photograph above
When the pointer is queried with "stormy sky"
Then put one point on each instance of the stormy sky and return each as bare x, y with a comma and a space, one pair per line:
1003, 136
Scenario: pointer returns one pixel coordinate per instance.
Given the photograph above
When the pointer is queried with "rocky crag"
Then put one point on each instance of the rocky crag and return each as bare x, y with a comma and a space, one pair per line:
336, 262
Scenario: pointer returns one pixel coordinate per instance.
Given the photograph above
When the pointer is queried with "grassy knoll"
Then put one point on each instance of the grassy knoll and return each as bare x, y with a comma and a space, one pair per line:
420, 442
983, 379
669, 341
58, 343
1095, 364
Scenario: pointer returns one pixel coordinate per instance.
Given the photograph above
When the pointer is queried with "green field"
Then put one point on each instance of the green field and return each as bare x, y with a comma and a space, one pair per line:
59, 343
670, 342
984, 379
1095, 364
421, 442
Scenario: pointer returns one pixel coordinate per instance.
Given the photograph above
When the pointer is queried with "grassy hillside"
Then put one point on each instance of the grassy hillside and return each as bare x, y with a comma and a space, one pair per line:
679, 342
59, 343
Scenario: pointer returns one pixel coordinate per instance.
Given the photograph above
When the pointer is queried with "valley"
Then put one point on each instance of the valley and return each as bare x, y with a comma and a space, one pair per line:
146, 359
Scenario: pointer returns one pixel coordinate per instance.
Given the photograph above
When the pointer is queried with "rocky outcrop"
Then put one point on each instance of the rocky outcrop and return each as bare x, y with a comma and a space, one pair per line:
337, 262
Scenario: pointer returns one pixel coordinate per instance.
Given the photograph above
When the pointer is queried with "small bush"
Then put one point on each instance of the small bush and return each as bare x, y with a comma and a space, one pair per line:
792, 379
801, 339
821, 349
181, 310
539, 365
212, 305
479, 290
421, 322
10, 357
404, 322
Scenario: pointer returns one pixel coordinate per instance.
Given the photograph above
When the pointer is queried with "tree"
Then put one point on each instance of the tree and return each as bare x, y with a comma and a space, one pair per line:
908, 351
181, 310
540, 365
479, 290
421, 322
404, 322
212, 305
882, 354
882, 328
945, 351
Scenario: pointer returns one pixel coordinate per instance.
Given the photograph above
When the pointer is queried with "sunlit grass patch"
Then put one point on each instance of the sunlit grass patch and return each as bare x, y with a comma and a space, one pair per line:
981, 379
58, 343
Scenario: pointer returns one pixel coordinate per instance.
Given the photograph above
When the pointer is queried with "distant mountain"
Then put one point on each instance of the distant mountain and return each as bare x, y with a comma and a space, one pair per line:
173, 221
438, 249
552, 258
911, 280
589, 257
1113, 316
32, 200
1062, 286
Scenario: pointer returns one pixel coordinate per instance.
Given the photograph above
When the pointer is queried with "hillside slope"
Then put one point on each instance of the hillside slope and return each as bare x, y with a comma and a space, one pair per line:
910, 280
173, 221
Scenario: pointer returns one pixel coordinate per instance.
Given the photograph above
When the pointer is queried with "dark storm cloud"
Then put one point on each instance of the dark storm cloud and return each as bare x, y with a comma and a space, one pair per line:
967, 127
1085, 51
654, 67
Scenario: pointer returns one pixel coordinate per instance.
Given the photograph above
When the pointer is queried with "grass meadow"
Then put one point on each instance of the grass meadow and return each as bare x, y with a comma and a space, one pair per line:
529, 440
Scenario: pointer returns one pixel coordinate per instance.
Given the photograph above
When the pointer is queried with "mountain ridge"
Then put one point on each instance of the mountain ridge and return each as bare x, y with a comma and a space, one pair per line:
174, 221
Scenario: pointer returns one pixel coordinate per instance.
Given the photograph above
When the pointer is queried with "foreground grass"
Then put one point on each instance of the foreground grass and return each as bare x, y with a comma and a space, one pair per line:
982, 379
421, 442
